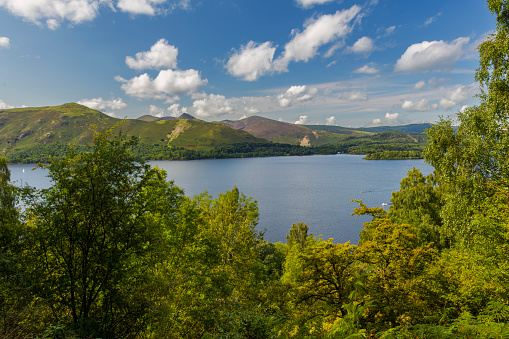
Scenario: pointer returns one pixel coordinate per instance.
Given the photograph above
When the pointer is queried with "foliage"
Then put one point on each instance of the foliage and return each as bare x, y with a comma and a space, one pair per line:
96, 230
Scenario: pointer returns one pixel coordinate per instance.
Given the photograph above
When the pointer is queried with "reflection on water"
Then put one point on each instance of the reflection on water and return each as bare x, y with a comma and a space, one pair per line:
316, 190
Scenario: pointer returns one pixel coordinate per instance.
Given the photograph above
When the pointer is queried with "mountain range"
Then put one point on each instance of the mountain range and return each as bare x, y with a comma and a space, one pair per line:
25, 128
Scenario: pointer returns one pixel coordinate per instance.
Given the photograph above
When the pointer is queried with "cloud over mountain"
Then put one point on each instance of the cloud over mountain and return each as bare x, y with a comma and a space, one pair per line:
168, 82
161, 55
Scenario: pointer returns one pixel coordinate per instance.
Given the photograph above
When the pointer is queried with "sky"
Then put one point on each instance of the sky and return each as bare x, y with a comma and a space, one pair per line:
335, 62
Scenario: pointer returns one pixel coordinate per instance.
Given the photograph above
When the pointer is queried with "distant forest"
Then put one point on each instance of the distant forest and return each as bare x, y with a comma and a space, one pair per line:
384, 145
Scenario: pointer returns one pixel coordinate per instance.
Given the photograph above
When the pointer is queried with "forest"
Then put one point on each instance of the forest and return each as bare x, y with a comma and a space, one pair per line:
384, 145
114, 250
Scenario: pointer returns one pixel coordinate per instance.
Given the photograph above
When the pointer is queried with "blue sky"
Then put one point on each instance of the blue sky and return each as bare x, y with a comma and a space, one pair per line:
347, 63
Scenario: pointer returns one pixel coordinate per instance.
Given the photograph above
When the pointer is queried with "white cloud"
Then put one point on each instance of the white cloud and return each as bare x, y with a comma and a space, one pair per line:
302, 120
156, 111
366, 69
173, 110
429, 21
363, 45
323, 30
353, 96
422, 105
5, 42
52, 24
434, 82
161, 55
101, 105
147, 7
176, 111
420, 85
296, 94
391, 119
168, 82
3, 105
458, 96
334, 48
330, 121
390, 30
211, 106
464, 108
311, 3
55, 11
252, 61
429, 55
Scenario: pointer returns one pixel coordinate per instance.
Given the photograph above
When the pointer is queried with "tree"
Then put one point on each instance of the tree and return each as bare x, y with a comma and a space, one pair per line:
418, 202
477, 153
97, 231
14, 283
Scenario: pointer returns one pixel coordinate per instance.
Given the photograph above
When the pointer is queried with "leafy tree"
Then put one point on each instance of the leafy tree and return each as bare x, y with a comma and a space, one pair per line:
476, 153
15, 296
418, 202
97, 230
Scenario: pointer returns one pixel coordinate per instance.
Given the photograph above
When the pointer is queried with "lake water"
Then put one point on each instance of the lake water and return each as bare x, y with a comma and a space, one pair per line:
316, 190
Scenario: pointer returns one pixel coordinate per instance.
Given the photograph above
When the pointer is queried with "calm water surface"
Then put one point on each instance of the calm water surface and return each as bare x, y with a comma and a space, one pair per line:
314, 189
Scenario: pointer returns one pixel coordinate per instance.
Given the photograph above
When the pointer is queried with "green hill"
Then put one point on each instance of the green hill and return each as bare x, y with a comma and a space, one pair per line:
22, 129
286, 133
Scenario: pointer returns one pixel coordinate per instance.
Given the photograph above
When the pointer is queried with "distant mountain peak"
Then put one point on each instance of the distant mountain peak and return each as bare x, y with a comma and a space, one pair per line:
186, 116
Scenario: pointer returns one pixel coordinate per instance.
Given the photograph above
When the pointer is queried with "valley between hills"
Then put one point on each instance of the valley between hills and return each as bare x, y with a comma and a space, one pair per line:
34, 134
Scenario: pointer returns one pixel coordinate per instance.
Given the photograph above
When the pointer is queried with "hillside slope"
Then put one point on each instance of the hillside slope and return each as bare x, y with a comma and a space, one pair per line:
26, 128
286, 133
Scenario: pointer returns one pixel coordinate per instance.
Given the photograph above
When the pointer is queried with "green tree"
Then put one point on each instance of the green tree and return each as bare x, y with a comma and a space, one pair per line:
418, 203
15, 296
476, 153
97, 231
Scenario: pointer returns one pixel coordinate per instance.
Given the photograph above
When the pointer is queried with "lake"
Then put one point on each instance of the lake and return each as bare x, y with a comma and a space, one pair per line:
316, 190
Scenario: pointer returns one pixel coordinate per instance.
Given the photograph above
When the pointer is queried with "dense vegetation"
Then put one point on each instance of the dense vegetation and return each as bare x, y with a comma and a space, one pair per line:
113, 250
385, 145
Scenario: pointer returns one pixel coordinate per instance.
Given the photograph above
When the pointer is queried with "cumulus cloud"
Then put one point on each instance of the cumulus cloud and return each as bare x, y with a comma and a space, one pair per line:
458, 96
363, 45
353, 96
254, 60
4, 105
391, 119
302, 120
5, 42
422, 105
251, 61
296, 94
420, 85
330, 121
55, 11
168, 82
101, 105
161, 55
318, 32
212, 105
173, 110
366, 69
429, 55
311, 3
156, 111
147, 7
